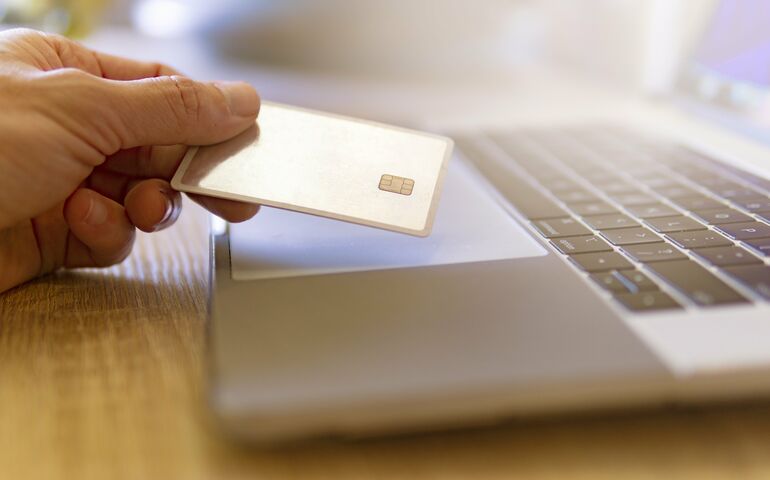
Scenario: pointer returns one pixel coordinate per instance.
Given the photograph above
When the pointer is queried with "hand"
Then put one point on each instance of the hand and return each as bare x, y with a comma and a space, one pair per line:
88, 142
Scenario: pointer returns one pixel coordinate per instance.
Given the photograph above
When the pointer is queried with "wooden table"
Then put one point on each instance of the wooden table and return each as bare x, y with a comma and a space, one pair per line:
102, 377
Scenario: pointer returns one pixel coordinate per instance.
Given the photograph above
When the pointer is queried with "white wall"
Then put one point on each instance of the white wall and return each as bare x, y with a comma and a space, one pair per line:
631, 41
638, 42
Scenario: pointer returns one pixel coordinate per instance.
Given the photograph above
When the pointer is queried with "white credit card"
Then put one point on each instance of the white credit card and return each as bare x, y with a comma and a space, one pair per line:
322, 164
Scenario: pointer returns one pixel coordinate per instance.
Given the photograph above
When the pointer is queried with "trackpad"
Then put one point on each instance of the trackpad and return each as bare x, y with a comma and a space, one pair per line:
470, 226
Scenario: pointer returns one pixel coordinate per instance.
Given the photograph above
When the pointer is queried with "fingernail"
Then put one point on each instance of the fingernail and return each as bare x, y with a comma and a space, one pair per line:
96, 215
241, 97
172, 212
169, 212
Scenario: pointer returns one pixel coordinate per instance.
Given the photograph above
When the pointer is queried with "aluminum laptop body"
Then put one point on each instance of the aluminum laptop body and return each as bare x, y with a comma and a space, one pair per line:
545, 286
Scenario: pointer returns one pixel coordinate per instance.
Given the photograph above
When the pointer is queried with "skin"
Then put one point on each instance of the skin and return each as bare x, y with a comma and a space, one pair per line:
88, 143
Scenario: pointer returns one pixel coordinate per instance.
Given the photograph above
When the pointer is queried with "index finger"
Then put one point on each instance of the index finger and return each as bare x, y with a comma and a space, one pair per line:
76, 55
118, 68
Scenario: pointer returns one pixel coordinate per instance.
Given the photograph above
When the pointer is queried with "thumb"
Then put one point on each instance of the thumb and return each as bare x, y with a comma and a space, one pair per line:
177, 110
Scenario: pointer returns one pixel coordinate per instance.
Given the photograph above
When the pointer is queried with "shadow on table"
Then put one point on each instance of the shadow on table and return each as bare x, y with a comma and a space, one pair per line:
692, 442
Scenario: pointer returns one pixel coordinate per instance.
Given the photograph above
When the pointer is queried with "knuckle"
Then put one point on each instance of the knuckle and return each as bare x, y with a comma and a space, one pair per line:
73, 75
66, 89
67, 83
56, 38
25, 34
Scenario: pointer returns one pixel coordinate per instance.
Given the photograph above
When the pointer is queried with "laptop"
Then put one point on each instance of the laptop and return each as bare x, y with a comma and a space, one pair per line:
592, 250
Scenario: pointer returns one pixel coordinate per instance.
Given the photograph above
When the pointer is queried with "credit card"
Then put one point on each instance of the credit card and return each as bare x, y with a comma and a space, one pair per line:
328, 165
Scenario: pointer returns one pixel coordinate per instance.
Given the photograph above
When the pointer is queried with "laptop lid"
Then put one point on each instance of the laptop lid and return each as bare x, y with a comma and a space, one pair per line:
727, 75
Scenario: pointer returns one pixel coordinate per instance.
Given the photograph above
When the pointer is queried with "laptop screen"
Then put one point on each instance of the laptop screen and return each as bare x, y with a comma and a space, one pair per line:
730, 67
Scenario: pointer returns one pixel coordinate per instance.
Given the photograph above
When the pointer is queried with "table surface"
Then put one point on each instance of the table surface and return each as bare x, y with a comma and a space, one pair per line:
102, 376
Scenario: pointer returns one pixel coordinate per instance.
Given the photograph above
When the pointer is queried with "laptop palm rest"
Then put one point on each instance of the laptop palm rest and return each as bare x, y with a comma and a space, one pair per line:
471, 226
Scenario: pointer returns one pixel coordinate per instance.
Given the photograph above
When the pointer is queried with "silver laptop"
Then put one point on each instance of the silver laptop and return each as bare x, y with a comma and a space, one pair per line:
591, 250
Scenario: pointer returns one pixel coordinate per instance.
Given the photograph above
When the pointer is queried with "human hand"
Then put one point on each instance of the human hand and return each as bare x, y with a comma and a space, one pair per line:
88, 142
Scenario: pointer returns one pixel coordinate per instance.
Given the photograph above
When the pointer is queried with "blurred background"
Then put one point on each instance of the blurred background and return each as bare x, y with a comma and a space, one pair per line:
339, 45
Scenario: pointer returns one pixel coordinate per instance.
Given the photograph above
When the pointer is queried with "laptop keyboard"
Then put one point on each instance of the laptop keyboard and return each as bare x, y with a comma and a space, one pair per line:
656, 225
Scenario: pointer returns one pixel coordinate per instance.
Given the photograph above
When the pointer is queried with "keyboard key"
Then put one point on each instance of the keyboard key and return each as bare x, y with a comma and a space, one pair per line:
624, 281
697, 202
746, 231
628, 236
712, 181
648, 301
600, 177
697, 283
640, 281
611, 281
698, 239
723, 256
656, 181
753, 277
544, 173
612, 220
559, 184
653, 252
721, 216
734, 192
601, 261
630, 199
584, 168
560, 227
760, 245
652, 210
678, 223
759, 183
617, 187
696, 172
756, 204
527, 199
575, 196
582, 244
592, 208
675, 191
763, 215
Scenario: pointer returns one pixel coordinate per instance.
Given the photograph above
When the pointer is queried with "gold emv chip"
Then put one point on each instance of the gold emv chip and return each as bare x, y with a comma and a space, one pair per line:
395, 184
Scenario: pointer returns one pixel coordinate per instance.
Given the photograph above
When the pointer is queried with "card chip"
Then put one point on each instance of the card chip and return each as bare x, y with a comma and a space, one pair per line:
395, 184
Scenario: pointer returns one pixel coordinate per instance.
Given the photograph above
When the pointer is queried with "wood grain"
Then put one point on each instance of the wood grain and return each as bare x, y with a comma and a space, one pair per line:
101, 377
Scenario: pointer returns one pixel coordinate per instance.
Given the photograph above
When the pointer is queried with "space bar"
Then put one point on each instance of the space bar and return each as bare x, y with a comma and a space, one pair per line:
527, 199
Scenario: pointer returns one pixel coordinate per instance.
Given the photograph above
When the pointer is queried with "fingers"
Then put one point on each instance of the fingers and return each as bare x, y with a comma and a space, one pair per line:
147, 103
160, 162
102, 234
153, 205
119, 68
75, 55
149, 162
177, 110
52, 51
234, 212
